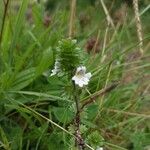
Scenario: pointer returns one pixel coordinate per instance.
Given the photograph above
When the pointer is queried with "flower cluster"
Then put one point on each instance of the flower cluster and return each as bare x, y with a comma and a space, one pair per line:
68, 58
69, 54
56, 69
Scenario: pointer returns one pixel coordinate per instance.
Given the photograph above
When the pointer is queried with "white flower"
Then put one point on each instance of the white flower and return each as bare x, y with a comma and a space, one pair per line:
56, 68
74, 41
99, 148
81, 78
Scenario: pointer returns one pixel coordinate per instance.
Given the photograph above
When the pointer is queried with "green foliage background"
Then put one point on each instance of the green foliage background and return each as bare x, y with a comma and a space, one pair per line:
36, 111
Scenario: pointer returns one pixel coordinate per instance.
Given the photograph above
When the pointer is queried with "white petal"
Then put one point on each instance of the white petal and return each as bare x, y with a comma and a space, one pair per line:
83, 68
85, 83
88, 75
57, 64
81, 83
77, 81
79, 69
74, 78
85, 80
52, 74
56, 68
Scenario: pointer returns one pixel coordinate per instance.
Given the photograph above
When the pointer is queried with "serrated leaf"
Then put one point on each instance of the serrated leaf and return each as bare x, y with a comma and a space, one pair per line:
63, 115
95, 139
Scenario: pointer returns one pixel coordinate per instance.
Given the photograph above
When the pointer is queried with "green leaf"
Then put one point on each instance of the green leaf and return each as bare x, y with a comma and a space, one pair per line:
1, 13
16, 138
46, 61
63, 115
95, 139
55, 141
39, 94
140, 140
18, 25
92, 111
5, 45
37, 16
24, 78
4, 139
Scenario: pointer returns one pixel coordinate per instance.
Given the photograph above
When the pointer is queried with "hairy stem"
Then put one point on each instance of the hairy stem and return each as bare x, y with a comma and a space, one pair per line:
79, 140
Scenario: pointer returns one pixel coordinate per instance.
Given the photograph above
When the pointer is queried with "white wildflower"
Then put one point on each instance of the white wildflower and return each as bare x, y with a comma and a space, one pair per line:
81, 78
74, 41
56, 69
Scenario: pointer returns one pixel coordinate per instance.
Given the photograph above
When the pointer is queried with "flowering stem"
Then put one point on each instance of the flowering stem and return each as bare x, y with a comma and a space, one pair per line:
79, 140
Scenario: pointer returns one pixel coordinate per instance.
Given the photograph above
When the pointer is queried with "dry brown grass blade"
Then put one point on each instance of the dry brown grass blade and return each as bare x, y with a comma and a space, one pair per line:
92, 98
146, 116
108, 17
138, 25
72, 18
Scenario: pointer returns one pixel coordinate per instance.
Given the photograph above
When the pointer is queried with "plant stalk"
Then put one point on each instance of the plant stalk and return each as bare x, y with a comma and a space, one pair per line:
79, 140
